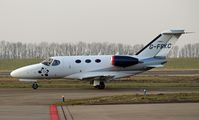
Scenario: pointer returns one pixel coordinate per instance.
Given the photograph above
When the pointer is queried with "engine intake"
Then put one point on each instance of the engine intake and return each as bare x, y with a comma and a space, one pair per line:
124, 61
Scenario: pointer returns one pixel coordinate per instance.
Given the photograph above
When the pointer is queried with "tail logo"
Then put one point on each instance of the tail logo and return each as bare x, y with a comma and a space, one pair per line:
160, 46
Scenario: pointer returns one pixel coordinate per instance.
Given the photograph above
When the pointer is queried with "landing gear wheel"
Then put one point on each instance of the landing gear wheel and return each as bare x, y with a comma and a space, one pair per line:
35, 86
101, 85
98, 84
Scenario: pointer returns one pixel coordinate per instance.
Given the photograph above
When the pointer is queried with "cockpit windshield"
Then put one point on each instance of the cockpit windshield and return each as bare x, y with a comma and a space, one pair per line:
47, 62
55, 63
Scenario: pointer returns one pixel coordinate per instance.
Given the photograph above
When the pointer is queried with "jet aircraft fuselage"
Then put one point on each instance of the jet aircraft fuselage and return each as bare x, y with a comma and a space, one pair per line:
99, 69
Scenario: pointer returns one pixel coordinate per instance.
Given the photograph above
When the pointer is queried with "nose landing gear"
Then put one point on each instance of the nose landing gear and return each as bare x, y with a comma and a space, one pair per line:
35, 85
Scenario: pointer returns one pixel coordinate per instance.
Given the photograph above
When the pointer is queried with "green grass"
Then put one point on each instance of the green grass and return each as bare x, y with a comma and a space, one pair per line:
137, 82
182, 63
162, 79
135, 99
11, 64
173, 63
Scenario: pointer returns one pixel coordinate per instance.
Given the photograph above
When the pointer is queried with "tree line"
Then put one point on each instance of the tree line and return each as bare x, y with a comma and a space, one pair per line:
19, 50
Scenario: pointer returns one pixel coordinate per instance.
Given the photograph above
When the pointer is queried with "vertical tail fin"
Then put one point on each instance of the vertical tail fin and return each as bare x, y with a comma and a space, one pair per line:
161, 45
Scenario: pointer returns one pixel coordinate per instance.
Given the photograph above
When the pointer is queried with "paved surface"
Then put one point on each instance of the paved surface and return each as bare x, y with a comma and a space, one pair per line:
177, 111
47, 96
28, 104
25, 112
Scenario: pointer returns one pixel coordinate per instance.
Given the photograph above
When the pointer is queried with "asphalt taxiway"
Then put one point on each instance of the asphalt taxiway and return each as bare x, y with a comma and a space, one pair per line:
28, 104
47, 96
176, 111
24, 112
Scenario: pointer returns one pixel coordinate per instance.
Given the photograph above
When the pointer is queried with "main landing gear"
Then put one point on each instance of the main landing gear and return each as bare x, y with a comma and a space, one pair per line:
35, 85
99, 84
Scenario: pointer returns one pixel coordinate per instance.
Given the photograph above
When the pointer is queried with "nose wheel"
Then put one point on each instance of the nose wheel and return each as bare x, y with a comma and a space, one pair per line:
35, 85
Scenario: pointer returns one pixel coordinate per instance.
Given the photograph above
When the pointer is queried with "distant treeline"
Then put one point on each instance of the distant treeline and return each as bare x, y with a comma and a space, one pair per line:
11, 50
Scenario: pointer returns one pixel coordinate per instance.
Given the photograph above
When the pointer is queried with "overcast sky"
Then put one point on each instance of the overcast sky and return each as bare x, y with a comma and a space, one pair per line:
116, 21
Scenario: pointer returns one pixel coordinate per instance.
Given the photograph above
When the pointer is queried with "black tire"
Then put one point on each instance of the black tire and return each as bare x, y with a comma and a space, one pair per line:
35, 86
101, 86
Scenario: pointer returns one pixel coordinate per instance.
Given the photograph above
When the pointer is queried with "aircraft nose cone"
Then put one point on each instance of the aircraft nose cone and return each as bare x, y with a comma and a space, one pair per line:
18, 73
26, 72
14, 73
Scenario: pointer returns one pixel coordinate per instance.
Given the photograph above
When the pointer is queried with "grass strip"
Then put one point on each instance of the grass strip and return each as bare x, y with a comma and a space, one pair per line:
181, 83
135, 99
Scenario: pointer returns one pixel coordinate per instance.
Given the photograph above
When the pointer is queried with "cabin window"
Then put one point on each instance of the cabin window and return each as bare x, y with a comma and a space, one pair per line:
97, 60
47, 62
56, 62
78, 61
87, 60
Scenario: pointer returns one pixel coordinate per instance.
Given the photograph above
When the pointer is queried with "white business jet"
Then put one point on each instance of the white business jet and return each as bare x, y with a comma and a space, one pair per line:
99, 69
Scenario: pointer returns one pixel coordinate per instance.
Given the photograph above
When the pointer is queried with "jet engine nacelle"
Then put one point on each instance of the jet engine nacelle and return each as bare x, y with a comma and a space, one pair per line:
124, 61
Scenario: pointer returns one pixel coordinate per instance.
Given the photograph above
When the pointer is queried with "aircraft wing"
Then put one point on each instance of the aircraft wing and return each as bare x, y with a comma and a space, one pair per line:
92, 75
101, 75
